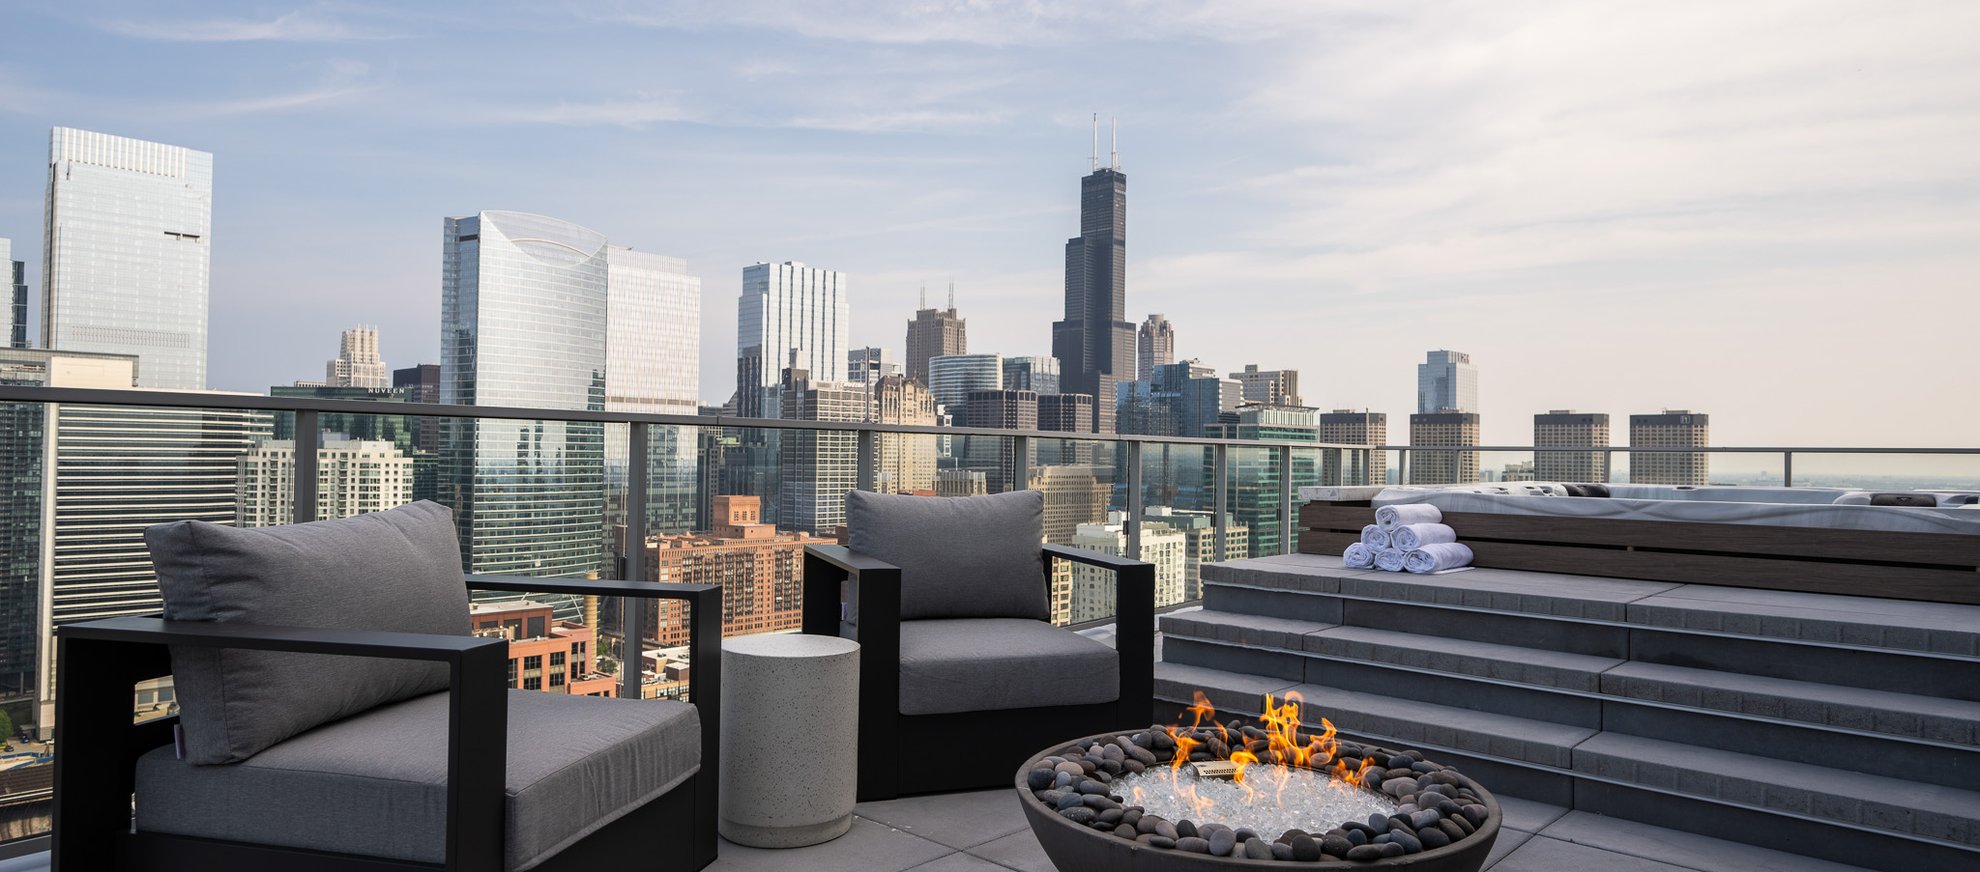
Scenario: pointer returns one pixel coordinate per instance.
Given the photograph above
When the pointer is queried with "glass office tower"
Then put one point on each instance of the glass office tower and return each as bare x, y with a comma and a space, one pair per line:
653, 365
125, 253
523, 305
17, 318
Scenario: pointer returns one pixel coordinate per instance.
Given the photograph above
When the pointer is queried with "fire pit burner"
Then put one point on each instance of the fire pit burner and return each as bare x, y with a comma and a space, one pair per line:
1136, 800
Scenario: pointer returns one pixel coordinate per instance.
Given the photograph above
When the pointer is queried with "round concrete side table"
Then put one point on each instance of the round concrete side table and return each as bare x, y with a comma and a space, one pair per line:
790, 739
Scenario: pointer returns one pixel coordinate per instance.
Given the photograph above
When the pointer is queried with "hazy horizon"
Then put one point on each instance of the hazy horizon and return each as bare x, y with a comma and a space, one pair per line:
1765, 214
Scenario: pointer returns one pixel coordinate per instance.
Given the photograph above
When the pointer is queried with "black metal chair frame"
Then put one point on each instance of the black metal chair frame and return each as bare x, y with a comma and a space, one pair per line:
889, 740
97, 745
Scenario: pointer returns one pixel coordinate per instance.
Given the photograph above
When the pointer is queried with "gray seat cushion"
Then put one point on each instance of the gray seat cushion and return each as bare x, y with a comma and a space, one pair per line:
960, 557
376, 784
988, 664
395, 570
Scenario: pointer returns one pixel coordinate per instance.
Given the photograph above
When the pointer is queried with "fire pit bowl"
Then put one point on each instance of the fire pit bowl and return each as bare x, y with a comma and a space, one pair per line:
1160, 847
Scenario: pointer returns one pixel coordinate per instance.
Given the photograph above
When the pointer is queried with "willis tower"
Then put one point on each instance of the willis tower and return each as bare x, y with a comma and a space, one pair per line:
1095, 342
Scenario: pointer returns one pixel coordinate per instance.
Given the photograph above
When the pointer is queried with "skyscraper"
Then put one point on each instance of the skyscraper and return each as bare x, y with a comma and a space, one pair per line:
952, 377
1563, 428
934, 333
997, 410
421, 384
1673, 428
523, 311
815, 468
1349, 427
1178, 399
788, 308
354, 476
1273, 387
653, 365
1155, 345
1440, 429
1093, 589
125, 253
1254, 475
867, 366
17, 318
1036, 374
1446, 382
906, 461
357, 364
1095, 341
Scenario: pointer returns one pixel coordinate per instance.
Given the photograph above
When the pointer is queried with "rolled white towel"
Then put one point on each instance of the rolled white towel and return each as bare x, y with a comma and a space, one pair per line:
1389, 560
1375, 537
1410, 537
1437, 557
1391, 517
1358, 556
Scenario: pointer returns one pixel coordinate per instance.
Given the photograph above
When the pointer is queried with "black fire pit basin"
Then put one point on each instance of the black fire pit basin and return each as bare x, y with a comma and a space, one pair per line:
1076, 848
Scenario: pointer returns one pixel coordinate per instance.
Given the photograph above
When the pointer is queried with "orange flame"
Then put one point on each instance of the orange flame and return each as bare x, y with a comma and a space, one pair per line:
1277, 741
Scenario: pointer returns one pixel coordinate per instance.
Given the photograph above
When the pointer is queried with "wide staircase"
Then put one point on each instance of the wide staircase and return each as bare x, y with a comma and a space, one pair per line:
1845, 728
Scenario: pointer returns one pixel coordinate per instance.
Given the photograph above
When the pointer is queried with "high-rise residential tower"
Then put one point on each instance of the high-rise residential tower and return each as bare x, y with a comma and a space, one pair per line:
867, 366
1564, 428
934, 333
1349, 427
1438, 430
1273, 387
815, 468
357, 364
1154, 345
523, 311
354, 476
1446, 382
17, 317
1673, 428
1095, 341
788, 308
653, 365
125, 252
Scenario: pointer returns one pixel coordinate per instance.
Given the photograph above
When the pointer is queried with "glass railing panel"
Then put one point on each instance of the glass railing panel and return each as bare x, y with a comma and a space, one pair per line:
1178, 519
1079, 479
1949, 474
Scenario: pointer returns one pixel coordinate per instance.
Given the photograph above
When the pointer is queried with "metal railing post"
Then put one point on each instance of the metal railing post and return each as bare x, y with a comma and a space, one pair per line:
1787, 469
1608, 464
303, 491
1402, 466
1134, 501
1020, 462
633, 611
1220, 498
864, 477
1287, 536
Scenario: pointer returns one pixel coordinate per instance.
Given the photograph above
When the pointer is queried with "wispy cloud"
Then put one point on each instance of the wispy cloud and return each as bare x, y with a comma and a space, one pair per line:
296, 26
631, 112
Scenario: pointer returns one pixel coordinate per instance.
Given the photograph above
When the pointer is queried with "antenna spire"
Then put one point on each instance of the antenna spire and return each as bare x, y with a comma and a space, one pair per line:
1093, 163
924, 295
1114, 123
952, 295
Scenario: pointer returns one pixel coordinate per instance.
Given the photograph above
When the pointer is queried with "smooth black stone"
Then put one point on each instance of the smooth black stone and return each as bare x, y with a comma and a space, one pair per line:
1373, 778
1407, 839
1193, 845
1132, 816
1393, 850
1336, 846
1087, 766
1160, 841
1245, 835
1161, 741
1185, 828
1102, 776
1110, 816
1425, 818
1351, 826
1078, 814
1099, 803
1110, 767
1474, 813
1134, 766
1362, 853
1221, 841
1165, 829
1050, 797
1070, 768
1125, 832
1070, 800
1462, 823
1111, 752
1199, 756
1452, 828
1357, 837
1142, 739
1398, 822
1413, 755
1306, 848
1433, 838
1280, 851
1093, 787
1378, 823
1064, 780
1400, 761
1040, 779
1256, 849
1426, 766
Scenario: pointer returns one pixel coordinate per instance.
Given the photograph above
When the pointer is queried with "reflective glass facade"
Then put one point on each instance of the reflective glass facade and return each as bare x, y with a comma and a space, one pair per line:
653, 364
523, 307
788, 308
125, 253
17, 317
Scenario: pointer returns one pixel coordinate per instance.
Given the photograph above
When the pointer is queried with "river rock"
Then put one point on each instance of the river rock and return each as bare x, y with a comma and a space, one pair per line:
1193, 844
1221, 841
1256, 849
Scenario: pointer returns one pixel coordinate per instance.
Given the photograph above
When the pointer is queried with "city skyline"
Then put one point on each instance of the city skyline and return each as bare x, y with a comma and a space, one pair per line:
1446, 223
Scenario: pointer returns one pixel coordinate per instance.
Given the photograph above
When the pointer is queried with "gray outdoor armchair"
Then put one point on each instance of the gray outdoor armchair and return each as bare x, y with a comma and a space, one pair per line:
406, 751
949, 600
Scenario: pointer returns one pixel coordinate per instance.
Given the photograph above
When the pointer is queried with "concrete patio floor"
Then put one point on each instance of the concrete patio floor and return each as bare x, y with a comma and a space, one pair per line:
985, 831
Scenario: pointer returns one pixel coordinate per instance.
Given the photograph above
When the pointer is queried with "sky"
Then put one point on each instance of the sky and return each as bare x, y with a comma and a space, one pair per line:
1767, 211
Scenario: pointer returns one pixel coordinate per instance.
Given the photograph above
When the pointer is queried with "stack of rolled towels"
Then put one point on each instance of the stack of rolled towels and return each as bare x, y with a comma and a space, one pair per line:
1410, 537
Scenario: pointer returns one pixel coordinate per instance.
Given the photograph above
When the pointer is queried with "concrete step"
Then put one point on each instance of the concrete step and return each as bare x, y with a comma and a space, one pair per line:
1463, 657
1852, 708
1890, 803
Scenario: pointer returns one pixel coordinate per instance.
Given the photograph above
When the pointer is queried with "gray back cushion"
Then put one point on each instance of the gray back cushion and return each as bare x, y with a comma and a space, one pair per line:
397, 570
960, 557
